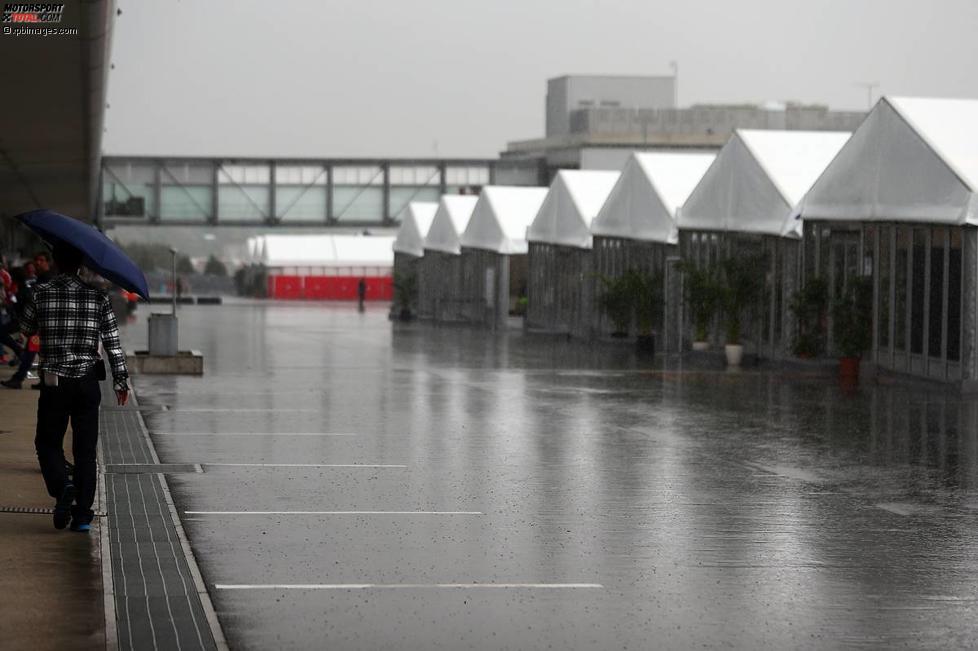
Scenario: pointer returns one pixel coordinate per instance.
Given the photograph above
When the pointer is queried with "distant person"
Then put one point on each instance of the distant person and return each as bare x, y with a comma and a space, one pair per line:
8, 317
25, 281
361, 293
72, 318
42, 265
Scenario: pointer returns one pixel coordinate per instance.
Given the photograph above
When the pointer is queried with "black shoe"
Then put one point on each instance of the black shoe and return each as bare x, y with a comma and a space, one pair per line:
14, 362
62, 509
11, 384
69, 468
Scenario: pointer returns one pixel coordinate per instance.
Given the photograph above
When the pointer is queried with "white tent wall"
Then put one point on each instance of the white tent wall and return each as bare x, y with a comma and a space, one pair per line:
494, 253
440, 270
636, 227
560, 289
560, 283
741, 206
899, 204
491, 283
439, 282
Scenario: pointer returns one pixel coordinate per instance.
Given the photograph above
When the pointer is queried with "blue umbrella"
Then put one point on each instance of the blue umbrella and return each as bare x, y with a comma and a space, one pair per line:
102, 255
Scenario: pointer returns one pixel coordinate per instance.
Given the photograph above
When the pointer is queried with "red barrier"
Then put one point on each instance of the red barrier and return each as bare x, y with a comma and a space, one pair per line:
329, 288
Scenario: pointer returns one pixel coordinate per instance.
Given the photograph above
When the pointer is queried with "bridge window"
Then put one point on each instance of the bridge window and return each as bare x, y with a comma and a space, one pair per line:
358, 193
300, 193
243, 193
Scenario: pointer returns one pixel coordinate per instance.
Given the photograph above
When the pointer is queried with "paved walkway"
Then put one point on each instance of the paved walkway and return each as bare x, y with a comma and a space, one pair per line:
44, 570
55, 591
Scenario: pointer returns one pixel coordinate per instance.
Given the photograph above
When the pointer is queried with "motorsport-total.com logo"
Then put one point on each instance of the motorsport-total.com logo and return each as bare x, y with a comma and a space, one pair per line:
30, 13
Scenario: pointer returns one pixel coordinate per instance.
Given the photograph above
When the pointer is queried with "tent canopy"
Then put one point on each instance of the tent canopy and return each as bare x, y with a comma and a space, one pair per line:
501, 217
326, 251
416, 221
912, 159
757, 179
451, 218
652, 187
574, 199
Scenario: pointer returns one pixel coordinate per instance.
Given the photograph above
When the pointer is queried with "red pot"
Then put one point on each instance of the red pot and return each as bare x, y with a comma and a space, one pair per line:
849, 368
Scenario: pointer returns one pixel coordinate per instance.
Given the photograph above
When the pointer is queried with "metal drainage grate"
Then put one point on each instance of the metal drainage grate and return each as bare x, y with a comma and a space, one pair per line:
37, 510
152, 468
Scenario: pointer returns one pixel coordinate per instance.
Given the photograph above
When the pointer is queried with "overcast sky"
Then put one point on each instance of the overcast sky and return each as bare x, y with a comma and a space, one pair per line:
322, 78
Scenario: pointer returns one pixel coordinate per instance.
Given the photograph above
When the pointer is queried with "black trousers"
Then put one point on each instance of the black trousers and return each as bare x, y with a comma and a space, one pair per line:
76, 400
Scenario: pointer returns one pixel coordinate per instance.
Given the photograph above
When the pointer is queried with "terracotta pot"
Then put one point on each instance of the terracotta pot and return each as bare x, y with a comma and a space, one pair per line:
849, 368
735, 353
701, 345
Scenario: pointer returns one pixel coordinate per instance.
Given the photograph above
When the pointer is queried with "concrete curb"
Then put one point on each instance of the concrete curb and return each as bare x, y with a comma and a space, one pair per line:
105, 557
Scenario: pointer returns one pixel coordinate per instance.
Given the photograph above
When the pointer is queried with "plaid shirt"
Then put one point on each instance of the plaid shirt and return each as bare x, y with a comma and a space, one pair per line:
71, 317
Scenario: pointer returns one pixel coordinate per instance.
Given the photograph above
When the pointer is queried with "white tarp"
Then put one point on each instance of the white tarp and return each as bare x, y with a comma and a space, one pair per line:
451, 219
574, 199
501, 217
327, 251
644, 202
757, 179
415, 222
912, 159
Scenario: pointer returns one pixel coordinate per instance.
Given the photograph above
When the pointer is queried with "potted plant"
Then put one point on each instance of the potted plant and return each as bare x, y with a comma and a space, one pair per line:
522, 303
616, 302
852, 325
405, 289
809, 305
646, 298
741, 287
702, 296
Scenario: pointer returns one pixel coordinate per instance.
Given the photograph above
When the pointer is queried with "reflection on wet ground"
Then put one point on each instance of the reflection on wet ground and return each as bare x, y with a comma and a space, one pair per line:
588, 499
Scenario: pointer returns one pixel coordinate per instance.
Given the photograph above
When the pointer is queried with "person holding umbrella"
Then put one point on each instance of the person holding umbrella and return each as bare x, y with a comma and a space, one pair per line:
71, 318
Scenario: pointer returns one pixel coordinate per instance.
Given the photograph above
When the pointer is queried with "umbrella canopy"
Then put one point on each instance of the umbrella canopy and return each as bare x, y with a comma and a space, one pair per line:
102, 255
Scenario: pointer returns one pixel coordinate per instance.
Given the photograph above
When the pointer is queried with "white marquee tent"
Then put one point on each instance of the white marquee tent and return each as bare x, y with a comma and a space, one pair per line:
912, 159
757, 179
652, 187
501, 217
415, 223
280, 251
571, 204
450, 220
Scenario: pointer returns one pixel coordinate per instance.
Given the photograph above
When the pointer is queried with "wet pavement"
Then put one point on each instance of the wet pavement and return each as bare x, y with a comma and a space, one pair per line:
368, 486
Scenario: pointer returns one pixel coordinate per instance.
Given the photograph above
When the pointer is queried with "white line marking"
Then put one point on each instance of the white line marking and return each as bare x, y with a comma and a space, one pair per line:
205, 410
333, 513
304, 465
407, 586
255, 434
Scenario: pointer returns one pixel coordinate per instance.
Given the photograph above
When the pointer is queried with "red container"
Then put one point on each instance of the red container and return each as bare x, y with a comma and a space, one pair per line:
849, 368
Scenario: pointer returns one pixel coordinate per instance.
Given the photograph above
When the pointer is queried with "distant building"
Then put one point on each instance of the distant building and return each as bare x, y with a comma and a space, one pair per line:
569, 94
595, 122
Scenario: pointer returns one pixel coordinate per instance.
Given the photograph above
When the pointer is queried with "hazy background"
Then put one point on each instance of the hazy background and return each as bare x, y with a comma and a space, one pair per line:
322, 78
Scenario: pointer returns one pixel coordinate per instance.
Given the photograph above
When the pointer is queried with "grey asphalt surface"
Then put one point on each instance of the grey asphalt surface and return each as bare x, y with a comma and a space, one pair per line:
597, 501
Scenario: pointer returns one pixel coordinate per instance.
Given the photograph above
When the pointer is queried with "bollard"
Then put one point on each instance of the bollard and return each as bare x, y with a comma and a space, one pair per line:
163, 334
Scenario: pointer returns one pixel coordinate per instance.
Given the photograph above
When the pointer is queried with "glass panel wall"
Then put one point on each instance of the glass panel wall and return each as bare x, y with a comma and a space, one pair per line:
128, 190
935, 312
358, 193
413, 183
300, 193
243, 193
884, 289
918, 283
187, 191
954, 269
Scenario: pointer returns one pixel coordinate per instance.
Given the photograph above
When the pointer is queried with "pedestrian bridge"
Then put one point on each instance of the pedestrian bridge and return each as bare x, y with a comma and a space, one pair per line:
289, 192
